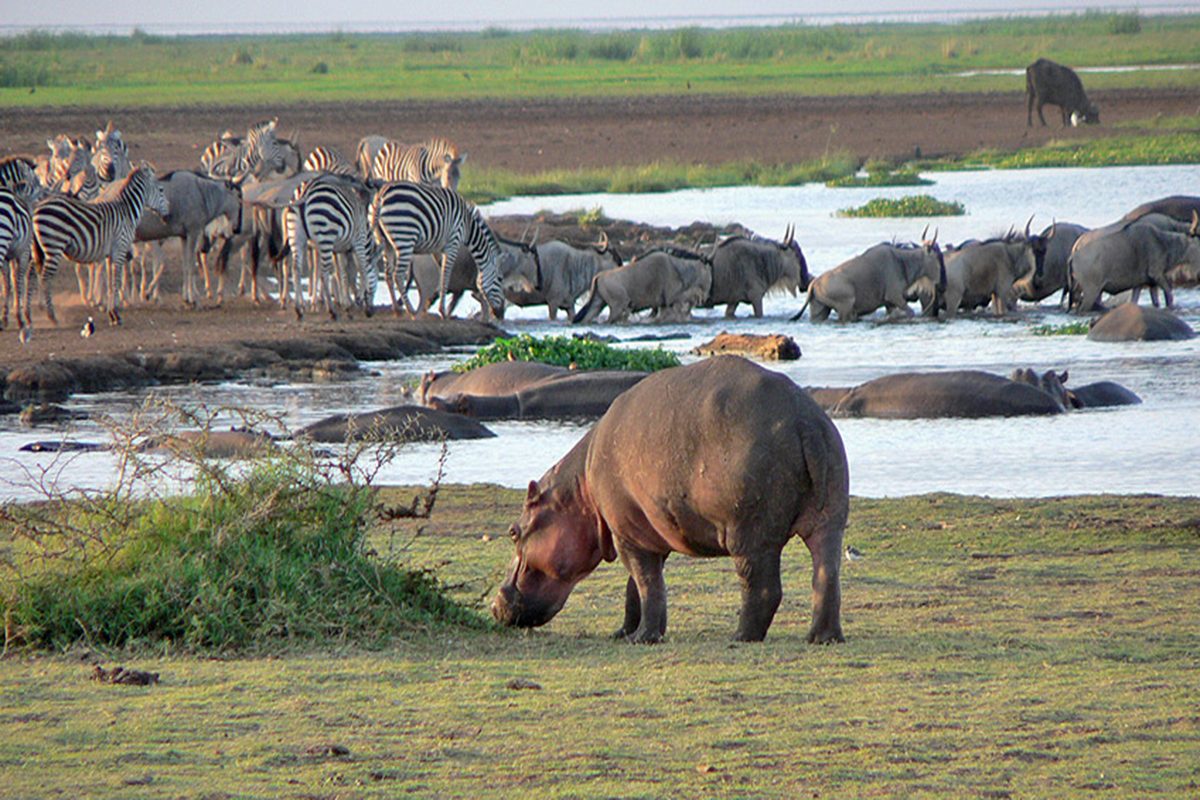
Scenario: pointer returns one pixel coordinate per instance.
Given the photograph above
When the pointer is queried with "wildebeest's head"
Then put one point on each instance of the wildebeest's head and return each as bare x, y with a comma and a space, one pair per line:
1088, 115
932, 250
558, 544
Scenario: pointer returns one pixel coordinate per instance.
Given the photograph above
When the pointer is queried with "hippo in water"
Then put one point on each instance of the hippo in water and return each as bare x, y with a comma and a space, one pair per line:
928, 395
718, 458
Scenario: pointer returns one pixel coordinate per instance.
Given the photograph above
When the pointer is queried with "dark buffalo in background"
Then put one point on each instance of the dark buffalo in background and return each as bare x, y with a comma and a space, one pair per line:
1049, 83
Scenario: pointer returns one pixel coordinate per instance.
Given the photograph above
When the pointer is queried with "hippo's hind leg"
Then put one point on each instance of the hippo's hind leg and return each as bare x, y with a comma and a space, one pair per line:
761, 593
826, 549
649, 607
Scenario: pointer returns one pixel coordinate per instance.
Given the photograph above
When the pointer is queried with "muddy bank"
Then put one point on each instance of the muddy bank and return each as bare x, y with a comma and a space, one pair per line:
317, 355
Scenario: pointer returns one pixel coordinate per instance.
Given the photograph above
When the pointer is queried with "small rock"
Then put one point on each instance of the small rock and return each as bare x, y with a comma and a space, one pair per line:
523, 683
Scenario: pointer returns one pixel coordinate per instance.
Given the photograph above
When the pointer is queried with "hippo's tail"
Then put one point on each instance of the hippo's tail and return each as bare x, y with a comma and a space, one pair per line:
592, 308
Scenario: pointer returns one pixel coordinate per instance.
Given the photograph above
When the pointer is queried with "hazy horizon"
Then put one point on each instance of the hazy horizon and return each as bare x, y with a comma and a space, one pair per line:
118, 16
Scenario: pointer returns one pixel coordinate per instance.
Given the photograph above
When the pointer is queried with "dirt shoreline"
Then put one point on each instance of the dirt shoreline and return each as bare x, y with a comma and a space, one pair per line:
563, 133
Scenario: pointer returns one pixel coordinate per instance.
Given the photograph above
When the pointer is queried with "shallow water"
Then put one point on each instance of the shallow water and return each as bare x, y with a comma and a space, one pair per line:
1154, 447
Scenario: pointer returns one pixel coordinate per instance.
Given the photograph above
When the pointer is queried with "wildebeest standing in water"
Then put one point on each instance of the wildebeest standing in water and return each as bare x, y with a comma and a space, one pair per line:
1048, 83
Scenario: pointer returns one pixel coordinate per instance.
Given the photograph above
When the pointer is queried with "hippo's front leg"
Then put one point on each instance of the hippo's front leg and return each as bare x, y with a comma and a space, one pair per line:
633, 611
646, 578
761, 593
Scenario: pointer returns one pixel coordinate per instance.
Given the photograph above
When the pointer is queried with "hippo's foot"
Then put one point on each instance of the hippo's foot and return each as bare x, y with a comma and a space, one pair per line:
644, 637
826, 636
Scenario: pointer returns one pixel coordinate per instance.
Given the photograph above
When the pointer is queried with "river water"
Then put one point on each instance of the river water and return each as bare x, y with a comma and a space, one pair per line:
1153, 447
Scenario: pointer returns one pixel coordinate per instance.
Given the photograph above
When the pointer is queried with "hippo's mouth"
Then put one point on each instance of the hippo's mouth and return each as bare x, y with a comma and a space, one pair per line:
513, 609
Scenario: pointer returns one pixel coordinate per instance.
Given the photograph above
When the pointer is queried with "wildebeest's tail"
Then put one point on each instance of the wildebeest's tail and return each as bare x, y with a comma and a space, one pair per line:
1068, 291
800, 313
595, 301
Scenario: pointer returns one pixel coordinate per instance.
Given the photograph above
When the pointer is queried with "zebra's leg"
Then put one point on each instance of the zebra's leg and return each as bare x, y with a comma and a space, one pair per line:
362, 267
45, 275
84, 285
449, 256
327, 296
403, 269
7, 270
298, 242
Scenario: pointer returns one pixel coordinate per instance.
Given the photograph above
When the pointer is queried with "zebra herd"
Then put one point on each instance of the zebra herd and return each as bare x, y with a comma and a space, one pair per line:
85, 202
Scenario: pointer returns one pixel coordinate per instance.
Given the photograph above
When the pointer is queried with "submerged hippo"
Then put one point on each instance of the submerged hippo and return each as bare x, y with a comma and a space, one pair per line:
1100, 394
719, 458
412, 423
573, 394
962, 393
505, 377
1130, 322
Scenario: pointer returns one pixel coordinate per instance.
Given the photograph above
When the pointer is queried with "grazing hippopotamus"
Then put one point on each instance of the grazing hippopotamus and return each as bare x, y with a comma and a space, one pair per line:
504, 377
573, 394
718, 458
1130, 322
414, 423
926, 395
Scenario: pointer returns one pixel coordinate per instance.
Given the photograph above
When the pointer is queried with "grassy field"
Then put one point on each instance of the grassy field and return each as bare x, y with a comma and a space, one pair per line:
140, 69
996, 648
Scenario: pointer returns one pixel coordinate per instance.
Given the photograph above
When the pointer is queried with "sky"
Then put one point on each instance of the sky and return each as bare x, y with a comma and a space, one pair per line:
353, 14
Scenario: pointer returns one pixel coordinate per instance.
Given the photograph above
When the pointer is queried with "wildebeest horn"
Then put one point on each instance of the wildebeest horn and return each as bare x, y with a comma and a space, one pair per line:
1195, 223
1053, 227
1027, 224
603, 242
791, 235
525, 231
924, 232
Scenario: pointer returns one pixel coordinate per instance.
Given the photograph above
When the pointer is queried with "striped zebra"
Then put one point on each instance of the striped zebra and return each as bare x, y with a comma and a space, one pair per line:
330, 212
16, 169
15, 227
88, 232
258, 154
110, 155
415, 218
416, 164
328, 159
364, 154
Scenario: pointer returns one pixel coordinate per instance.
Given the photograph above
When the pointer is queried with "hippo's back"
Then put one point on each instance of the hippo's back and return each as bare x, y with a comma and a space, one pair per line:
714, 444
963, 393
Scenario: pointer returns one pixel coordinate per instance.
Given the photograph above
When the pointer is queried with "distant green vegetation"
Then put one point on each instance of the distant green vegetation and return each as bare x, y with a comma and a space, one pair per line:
880, 174
918, 205
1066, 329
485, 185
142, 69
565, 351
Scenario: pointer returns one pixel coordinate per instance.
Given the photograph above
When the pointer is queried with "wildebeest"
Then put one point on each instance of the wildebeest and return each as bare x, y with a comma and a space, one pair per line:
1051, 275
987, 271
671, 283
1130, 256
1049, 83
563, 273
195, 201
880, 276
426, 272
719, 458
745, 269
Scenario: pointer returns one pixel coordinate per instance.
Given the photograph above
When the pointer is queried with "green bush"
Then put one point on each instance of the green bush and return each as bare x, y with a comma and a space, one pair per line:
1067, 329
564, 351
256, 558
919, 205
1119, 24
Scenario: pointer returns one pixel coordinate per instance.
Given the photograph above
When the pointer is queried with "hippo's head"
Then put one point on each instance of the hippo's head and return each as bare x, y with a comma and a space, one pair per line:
558, 544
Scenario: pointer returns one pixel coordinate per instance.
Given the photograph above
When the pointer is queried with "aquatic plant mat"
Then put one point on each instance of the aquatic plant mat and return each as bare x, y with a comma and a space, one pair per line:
996, 648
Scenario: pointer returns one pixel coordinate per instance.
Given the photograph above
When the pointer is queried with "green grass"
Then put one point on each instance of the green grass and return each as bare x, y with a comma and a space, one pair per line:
565, 351
996, 648
917, 205
140, 69
875, 178
1066, 329
486, 184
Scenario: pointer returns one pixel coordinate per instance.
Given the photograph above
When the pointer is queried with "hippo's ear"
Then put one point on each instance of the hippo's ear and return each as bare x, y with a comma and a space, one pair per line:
532, 495
1062, 376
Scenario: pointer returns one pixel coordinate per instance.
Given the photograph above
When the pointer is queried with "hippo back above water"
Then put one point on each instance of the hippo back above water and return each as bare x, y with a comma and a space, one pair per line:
718, 458
961, 393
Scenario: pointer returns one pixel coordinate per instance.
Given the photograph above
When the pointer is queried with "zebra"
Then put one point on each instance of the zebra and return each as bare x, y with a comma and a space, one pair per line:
330, 211
110, 155
15, 227
328, 159
16, 169
364, 154
415, 218
88, 232
258, 154
228, 140
416, 163
444, 153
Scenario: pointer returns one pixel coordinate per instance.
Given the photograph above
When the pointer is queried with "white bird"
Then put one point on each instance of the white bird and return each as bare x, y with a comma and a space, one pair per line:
853, 553
88, 328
